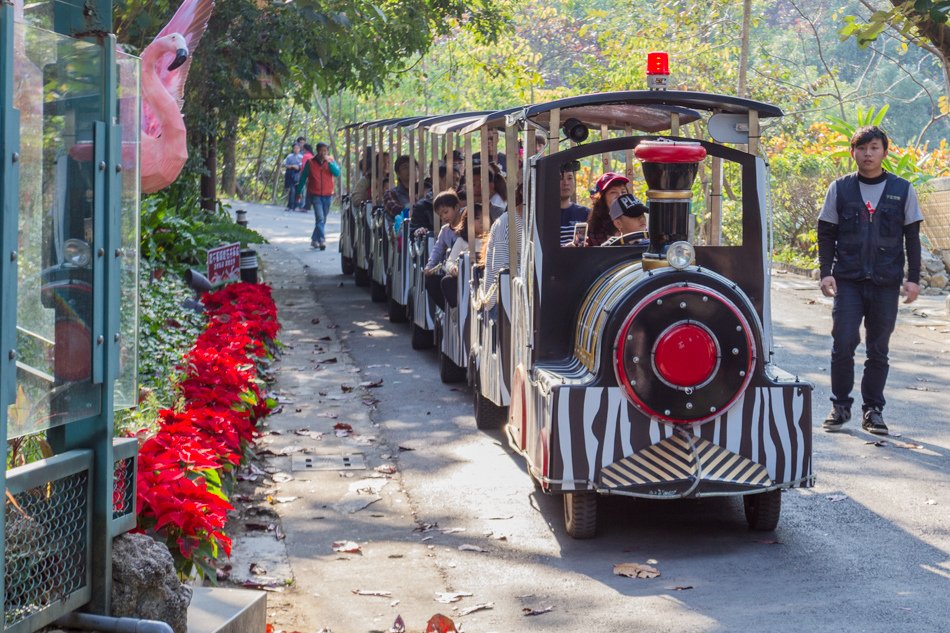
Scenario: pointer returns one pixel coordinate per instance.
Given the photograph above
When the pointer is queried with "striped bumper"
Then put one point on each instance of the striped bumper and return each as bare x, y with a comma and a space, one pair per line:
683, 465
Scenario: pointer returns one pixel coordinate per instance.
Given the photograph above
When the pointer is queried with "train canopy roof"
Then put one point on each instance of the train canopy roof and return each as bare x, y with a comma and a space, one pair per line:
427, 123
494, 120
454, 125
644, 110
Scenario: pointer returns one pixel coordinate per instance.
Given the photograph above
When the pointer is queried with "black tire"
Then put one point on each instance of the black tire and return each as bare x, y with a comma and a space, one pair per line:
762, 510
580, 514
361, 277
421, 339
377, 292
346, 265
397, 312
449, 372
488, 415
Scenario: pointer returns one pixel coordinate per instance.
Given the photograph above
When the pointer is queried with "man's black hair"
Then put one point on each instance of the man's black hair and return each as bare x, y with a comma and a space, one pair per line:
308, 148
867, 134
321, 145
301, 138
402, 160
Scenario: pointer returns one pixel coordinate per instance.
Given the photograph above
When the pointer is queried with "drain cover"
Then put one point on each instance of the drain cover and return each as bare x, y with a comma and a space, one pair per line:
328, 462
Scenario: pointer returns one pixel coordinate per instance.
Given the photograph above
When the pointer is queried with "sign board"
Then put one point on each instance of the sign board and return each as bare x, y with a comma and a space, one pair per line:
224, 264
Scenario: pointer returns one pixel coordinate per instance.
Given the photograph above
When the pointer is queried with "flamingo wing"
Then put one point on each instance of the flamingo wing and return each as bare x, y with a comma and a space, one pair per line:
190, 20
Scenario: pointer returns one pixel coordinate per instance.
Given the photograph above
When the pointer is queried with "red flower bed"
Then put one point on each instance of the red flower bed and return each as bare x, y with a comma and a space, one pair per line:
185, 468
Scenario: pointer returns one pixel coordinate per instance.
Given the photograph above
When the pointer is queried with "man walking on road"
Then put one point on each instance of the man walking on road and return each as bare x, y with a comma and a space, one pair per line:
318, 175
869, 219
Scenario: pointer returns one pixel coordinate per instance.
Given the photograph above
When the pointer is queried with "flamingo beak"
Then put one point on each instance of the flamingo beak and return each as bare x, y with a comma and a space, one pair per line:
181, 56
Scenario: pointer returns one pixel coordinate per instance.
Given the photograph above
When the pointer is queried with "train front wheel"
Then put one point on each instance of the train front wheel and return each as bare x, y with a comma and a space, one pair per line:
762, 510
346, 265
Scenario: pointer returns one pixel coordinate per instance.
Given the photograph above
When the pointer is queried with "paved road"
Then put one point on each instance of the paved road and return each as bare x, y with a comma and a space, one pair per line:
867, 549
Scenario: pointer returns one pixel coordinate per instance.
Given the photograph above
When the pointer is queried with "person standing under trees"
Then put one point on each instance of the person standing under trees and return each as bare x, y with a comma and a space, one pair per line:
306, 151
318, 175
292, 166
868, 221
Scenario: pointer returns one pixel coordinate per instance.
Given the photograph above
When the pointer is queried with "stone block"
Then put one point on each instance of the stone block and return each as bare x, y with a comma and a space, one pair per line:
145, 584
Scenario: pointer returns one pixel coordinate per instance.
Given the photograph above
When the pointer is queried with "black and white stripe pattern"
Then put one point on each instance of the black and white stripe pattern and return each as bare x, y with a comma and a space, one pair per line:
347, 229
455, 331
380, 240
401, 267
362, 237
593, 427
423, 312
492, 359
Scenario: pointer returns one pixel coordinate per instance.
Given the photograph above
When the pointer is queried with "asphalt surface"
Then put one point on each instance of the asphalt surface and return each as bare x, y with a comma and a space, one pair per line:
866, 549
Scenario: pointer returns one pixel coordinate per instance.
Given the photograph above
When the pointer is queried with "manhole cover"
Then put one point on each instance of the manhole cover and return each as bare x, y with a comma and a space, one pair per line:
327, 462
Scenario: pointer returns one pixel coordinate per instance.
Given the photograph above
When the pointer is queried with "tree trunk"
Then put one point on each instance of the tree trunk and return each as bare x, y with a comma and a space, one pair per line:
255, 176
744, 48
280, 157
229, 174
209, 179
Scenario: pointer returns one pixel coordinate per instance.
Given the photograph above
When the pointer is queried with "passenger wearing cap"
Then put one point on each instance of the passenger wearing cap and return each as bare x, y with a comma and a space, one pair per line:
600, 226
629, 218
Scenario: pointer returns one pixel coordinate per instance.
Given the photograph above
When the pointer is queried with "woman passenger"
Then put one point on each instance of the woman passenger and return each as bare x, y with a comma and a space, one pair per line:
600, 226
446, 204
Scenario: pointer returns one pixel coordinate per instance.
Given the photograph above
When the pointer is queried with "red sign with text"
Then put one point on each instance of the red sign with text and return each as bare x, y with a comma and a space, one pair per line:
224, 264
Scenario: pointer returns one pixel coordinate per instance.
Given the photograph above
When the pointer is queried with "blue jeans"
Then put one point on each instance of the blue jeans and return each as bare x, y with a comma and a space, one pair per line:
321, 207
877, 307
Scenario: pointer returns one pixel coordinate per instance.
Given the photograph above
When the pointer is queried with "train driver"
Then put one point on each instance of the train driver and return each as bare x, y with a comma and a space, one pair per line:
629, 217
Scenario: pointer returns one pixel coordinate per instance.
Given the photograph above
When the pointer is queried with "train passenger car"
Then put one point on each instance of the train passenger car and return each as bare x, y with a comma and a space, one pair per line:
376, 173
352, 160
646, 370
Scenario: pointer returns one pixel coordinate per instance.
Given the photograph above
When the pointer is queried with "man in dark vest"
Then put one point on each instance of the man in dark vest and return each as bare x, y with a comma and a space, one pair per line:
869, 219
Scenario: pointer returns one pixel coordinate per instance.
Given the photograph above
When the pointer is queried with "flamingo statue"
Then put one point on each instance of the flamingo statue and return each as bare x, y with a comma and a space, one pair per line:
165, 64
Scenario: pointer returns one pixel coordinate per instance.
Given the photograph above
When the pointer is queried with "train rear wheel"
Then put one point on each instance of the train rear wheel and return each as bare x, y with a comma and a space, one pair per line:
449, 372
580, 514
346, 265
762, 510
421, 338
377, 292
361, 276
488, 415
397, 312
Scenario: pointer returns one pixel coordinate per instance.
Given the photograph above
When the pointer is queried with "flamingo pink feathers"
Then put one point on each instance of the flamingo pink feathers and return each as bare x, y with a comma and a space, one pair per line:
164, 141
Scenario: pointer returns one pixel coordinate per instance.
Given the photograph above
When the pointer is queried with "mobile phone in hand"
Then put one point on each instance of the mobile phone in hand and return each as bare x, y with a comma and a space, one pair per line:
580, 233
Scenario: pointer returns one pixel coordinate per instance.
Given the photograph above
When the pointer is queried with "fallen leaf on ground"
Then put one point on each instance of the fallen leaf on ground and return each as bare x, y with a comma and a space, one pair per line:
425, 527
406, 448
471, 548
347, 547
372, 384
635, 570
373, 592
346, 388
343, 429
257, 570
931, 502
398, 626
386, 469
530, 611
477, 607
877, 443
452, 530
836, 498
909, 445
447, 597
500, 517
281, 478
680, 588
314, 321
276, 500
440, 624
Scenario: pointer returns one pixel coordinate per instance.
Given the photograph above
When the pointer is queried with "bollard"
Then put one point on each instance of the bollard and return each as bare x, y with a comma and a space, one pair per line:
249, 266
240, 217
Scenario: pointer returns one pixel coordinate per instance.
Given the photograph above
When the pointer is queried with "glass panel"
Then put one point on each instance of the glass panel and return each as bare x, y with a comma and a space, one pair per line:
57, 90
126, 386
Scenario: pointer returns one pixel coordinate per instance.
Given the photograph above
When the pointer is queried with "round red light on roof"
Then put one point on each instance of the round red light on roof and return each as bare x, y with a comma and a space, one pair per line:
658, 63
685, 355
670, 152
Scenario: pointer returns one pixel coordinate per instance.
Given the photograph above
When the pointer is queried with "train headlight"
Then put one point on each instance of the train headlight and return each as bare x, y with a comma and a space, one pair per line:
77, 252
680, 255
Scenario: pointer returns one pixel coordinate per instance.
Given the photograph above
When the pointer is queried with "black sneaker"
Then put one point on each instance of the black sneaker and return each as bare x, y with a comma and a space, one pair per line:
874, 422
838, 415
323, 246
314, 245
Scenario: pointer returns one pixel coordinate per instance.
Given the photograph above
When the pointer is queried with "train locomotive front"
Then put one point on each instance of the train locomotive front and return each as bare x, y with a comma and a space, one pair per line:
656, 380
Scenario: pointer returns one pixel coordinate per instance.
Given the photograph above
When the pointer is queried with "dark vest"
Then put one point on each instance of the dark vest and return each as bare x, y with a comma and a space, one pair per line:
870, 247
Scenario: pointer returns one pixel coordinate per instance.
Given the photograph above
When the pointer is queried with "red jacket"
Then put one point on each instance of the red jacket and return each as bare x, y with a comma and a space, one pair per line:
320, 177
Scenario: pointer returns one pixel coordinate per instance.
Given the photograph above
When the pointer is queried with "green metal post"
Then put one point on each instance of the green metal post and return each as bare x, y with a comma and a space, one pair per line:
9, 202
83, 18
